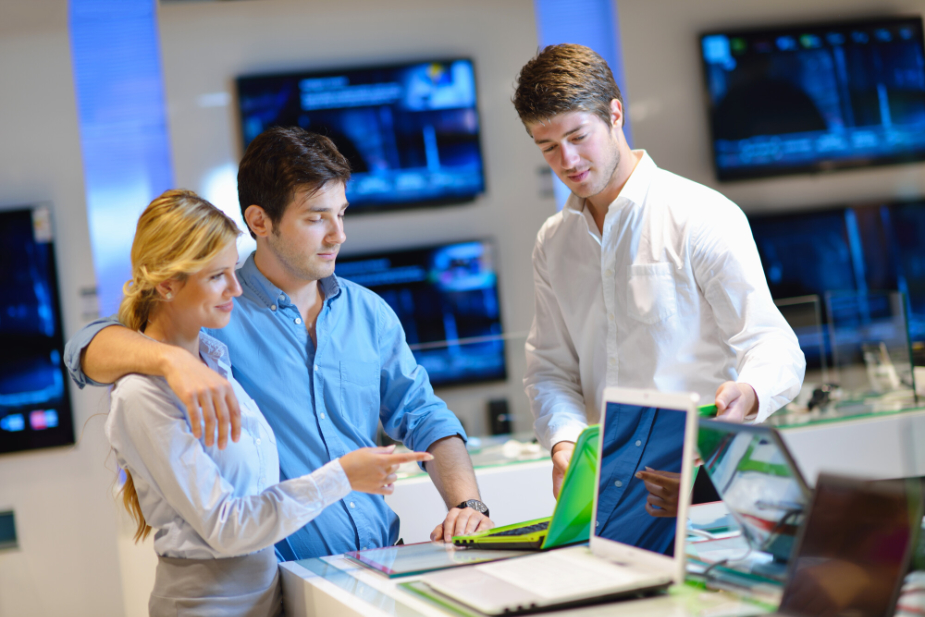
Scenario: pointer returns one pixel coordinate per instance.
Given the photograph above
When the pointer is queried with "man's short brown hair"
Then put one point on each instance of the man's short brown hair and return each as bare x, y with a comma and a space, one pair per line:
564, 78
282, 160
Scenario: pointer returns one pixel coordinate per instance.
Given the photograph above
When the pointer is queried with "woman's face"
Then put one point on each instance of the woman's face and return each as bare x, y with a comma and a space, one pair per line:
204, 300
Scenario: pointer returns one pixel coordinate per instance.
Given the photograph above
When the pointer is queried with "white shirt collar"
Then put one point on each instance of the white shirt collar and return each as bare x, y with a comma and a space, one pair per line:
634, 191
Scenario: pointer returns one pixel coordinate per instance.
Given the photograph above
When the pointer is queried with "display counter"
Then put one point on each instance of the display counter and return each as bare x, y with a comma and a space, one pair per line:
336, 586
873, 437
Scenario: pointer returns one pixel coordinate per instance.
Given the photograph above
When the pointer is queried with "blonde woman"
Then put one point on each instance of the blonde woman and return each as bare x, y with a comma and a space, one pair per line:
217, 513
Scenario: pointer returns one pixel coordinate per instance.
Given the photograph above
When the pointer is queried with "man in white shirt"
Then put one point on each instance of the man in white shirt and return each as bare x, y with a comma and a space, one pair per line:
644, 279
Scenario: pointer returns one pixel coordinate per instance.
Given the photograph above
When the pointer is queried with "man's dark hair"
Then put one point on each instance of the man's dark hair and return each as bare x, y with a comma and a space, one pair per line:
282, 160
564, 78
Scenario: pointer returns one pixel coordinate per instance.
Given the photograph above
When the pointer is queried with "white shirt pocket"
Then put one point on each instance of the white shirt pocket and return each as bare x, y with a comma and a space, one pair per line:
651, 296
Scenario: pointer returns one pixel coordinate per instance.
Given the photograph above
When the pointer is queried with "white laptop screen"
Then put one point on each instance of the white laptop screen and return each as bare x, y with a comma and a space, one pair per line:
638, 439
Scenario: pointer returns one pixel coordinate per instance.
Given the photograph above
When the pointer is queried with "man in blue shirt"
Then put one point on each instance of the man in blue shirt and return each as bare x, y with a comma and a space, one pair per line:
324, 358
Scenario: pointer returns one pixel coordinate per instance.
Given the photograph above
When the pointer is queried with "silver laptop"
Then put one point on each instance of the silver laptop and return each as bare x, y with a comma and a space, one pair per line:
760, 484
630, 550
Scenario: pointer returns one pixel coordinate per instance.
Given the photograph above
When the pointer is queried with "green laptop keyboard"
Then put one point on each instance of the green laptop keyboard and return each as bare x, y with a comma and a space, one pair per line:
522, 531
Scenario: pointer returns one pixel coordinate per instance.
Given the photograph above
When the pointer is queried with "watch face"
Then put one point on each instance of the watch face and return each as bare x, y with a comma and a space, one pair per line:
477, 505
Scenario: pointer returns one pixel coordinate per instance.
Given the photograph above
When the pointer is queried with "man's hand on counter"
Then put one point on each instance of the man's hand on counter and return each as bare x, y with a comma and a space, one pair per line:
460, 522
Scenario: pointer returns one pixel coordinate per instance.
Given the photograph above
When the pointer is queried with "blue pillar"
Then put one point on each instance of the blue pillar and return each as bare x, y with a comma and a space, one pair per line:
123, 128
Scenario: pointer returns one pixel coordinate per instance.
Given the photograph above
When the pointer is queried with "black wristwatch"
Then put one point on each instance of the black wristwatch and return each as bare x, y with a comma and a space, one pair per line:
476, 505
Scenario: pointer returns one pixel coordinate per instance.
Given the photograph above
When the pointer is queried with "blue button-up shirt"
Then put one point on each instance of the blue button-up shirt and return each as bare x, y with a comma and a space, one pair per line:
635, 438
323, 402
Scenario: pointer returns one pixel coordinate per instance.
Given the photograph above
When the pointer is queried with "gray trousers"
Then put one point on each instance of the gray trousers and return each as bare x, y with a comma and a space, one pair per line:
247, 586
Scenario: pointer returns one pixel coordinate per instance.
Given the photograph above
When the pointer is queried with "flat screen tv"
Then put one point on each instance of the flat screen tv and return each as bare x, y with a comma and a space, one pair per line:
35, 406
410, 131
815, 97
446, 298
855, 248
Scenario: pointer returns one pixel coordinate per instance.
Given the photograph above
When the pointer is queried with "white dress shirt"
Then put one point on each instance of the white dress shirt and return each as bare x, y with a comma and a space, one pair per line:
671, 296
204, 502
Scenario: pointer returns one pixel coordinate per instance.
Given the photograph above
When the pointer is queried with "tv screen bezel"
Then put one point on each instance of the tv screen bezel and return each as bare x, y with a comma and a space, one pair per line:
821, 166
338, 70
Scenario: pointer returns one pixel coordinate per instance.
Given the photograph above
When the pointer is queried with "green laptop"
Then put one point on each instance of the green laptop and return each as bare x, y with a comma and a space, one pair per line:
571, 520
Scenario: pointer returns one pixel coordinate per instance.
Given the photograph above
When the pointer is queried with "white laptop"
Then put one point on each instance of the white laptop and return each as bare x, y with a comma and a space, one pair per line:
630, 550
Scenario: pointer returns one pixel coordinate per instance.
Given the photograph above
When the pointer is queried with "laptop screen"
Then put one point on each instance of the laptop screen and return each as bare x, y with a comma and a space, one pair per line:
758, 482
855, 548
635, 439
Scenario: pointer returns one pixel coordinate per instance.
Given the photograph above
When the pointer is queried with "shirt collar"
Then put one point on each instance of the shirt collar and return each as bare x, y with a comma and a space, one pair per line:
270, 294
212, 348
633, 191
637, 185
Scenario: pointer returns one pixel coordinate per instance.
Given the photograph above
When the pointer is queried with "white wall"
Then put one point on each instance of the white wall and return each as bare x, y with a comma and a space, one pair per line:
206, 45
668, 113
67, 562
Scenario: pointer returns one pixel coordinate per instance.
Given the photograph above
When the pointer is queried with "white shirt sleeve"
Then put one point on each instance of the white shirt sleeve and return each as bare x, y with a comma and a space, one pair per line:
151, 435
728, 270
552, 381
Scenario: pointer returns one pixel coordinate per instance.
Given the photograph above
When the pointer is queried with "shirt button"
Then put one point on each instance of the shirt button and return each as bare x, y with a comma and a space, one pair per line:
352, 505
298, 321
609, 273
638, 442
316, 367
618, 483
272, 307
612, 361
610, 317
257, 441
322, 416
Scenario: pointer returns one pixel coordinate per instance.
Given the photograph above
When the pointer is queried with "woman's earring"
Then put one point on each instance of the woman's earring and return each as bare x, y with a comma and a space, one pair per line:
168, 295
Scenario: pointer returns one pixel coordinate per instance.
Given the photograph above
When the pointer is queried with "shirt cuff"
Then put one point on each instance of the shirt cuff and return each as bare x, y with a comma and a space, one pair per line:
332, 482
565, 433
78, 343
762, 394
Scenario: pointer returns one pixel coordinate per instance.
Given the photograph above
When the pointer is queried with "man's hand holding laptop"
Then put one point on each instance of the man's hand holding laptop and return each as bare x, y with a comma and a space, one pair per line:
561, 454
734, 403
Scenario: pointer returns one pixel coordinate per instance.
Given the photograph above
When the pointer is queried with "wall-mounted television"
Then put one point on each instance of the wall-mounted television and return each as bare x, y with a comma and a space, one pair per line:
815, 97
861, 248
35, 406
410, 131
446, 298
